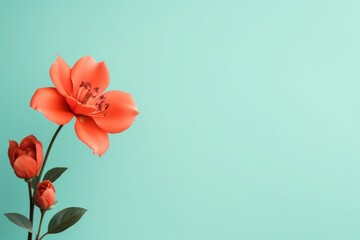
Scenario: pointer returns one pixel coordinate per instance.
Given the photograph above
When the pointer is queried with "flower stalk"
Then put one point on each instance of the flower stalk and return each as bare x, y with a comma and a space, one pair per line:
43, 236
41, 220
31, 214
47, 154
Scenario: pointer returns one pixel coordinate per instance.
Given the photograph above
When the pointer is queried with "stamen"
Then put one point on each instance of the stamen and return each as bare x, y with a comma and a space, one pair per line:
85, 93
100, 105
88, 95
86, 85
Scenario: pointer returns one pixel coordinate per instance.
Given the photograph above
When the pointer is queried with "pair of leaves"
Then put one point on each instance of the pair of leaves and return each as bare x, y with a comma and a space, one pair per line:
52, 175
58, 223
61, 220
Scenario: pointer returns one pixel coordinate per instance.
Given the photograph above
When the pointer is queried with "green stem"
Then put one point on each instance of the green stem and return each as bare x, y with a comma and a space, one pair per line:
47, 154
43, 236
31, 214
41, 220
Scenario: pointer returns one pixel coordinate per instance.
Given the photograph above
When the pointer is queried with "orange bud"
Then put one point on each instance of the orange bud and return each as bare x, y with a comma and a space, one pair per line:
45, 195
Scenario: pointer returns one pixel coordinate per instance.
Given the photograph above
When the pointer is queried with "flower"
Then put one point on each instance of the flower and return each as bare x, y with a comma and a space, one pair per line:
79, 92
26, 158
45, 195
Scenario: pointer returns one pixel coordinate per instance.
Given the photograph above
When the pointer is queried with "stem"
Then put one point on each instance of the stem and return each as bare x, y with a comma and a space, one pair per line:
43, 236
47, 154
31, 214
41, 220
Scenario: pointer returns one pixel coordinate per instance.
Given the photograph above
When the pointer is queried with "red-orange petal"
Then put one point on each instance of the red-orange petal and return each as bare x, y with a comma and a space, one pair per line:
39, 153
32, 142
60, 76
25, 167
86, 69
52, 104
49, 196
120, 114
89, 133
12, 147
28, 141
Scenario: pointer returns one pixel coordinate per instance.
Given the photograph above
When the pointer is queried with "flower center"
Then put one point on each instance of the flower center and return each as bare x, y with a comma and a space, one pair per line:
86, 94
90, 96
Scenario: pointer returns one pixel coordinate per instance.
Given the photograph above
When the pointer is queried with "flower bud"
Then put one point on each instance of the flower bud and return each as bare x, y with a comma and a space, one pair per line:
45, 195
26, 158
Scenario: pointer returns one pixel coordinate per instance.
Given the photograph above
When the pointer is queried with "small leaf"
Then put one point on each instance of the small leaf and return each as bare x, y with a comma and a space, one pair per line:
65, 219
54, 173
20, 220
34, 181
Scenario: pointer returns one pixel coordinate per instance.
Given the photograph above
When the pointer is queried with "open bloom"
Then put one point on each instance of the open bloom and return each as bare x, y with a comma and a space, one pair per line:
26, 158
79, 92
45, 195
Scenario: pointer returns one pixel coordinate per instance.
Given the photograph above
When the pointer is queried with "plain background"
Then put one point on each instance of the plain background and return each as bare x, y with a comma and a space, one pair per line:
249, 124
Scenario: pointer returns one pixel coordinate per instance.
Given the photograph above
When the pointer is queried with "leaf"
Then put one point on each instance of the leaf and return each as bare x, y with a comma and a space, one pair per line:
54, 173
34, 181
65, 219
20, 220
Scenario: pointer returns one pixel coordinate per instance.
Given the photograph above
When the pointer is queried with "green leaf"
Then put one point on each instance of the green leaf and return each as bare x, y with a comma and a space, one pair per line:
34, 181
65, 219
20, 220
54, 173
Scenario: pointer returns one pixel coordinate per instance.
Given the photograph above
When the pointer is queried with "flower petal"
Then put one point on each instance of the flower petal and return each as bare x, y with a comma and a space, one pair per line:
85, 70
49, 197
60, 76
120, 114
33, 143
12, 148
39, 153
28, 142
88, 132
52, 104
26, 167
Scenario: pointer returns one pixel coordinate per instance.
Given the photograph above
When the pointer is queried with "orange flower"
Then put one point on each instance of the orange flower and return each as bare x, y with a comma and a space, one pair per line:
79, 92
45, 195
26, 158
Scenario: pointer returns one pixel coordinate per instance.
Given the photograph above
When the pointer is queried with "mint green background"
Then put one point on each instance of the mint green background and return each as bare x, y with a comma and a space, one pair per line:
249, 125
